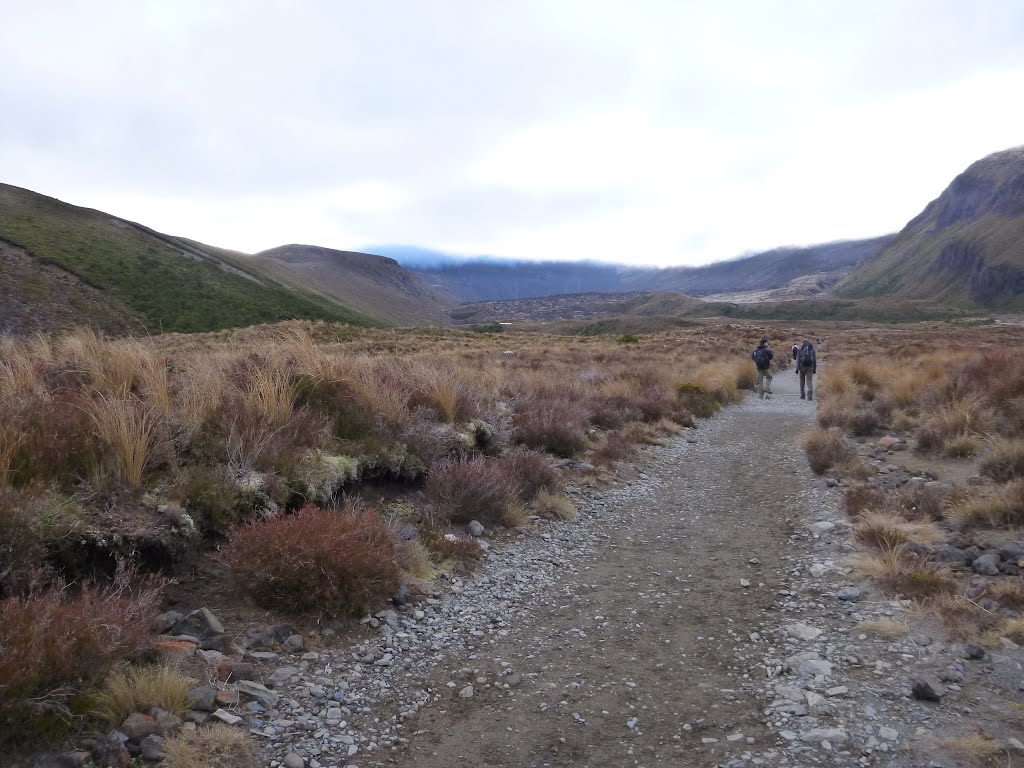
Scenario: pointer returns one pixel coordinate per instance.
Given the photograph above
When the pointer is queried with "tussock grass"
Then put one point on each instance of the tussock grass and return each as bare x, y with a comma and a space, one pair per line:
885, 627
826, 448
888, 531
139, 689
906, 574
1003, 459
214, 746
130, 429
556, 505
1005, 508
974, 746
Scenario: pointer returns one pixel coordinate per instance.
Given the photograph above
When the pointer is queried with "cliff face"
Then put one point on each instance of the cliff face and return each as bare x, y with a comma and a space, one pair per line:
966, 247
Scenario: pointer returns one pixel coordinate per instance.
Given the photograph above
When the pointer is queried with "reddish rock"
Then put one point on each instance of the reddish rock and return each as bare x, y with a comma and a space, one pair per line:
235, 670
227, 698
138, 726
177, 649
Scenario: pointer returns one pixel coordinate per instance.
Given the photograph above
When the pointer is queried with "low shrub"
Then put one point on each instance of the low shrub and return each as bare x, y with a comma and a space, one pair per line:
213, 746
1003, 509
906, 574
214, 502
558, 425
21, 541
696, 400
556, 505
316, 561
1003, 460
451, 546
530, 471
470, 488
826, 448
139, 689
55, 645
628, 338
887, 531
961, 446
919, 502
860, 498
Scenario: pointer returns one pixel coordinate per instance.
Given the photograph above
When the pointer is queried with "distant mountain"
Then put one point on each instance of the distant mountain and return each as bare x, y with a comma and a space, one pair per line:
63, 265
966, 248
374, 285
474, 280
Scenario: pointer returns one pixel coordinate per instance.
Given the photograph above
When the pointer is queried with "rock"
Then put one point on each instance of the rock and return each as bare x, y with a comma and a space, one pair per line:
226, 717
974, 652
293, 760
887, 733
975, 480
166, 621
402, 596
1012, 552
888, 442
947, 553
821, 527
167, 723
986, 565
927, 688
475, 529
849, 594
200, 623
152, 748
235, 670
227, 697
815, 667
294, 643
1015, 744
466, 693
260, 637
831, 735
110, 752
817, 570
259, 692
204, 698
214, 643
138, 726
831, 482
802, 631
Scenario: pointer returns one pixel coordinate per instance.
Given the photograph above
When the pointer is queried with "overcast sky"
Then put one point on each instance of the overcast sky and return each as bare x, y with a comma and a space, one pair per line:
649, 132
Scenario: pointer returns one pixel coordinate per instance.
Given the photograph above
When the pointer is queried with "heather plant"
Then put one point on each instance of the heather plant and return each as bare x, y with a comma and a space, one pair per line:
471, 488
316, 561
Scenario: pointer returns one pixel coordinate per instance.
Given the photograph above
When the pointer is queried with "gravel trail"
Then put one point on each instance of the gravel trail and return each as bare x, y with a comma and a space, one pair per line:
641, 652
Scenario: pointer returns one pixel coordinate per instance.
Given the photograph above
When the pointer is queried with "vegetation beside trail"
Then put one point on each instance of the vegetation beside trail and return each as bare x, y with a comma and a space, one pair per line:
956, 399
128, 453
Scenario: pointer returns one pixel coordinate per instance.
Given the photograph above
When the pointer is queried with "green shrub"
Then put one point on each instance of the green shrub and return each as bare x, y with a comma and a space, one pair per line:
628, 338
215, 503
471, 488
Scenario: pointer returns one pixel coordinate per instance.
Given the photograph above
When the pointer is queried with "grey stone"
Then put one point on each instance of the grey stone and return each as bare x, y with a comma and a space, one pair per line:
974, 652
466, 693
1012, 551
849, 594
475, 528
204, 698
259, 692
947, 553
815, 667
166, 621
831, 735
226, 717
110, 752
887, 733
152, 748
293, 760
294, 643
986, 565
927, 688
200, 623
167, 723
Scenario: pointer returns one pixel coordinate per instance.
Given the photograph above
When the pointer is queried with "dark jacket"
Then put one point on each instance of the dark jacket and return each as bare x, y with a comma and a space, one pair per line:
807, 358
766, 357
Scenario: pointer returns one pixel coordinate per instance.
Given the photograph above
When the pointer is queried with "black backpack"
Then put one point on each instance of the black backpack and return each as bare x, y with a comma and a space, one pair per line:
761, 359
806, 358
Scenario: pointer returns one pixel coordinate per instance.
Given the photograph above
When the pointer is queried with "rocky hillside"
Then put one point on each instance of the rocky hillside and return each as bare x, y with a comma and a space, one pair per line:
62, 262
965, 248
374, 285
492, 280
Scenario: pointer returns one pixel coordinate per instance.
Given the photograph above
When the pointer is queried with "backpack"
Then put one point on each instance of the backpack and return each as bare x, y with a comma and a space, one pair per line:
806, 358
761, 359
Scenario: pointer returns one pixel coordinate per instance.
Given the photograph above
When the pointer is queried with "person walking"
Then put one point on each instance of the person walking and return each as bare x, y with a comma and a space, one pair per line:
796, 351
762, 357
806, 367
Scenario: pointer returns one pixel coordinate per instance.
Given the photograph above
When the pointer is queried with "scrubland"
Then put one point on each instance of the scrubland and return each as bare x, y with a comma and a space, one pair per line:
120, 459
949, 539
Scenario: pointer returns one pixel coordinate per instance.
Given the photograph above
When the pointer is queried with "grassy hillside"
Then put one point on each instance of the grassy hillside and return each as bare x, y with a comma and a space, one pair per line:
371, 284
966, 247
170, 285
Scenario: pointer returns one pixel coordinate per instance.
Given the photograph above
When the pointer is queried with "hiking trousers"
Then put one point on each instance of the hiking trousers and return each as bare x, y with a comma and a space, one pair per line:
807, 377
764, 381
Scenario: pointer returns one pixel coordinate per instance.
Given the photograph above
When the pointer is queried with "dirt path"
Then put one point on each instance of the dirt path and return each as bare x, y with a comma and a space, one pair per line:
641, 655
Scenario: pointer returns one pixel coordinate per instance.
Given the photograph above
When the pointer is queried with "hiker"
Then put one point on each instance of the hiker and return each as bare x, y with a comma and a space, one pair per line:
806, 367
762, 358
795, 350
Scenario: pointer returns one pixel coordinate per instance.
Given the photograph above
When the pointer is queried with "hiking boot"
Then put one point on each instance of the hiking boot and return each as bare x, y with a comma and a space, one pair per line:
801, 396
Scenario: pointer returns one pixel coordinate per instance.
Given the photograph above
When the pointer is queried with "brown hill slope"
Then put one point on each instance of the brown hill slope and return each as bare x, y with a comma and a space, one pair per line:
965, 248
375, 285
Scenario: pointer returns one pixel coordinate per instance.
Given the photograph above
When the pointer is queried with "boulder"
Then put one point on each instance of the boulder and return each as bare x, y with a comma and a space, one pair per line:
294, 643
475, 529
200, 623
110, 752
167, 723
138, 726
152, 748
986, 565
258, 692
927, 688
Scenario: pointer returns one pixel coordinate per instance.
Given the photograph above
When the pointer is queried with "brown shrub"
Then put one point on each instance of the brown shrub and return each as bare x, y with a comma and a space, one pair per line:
530, 471
54, 645
558, 425
321, 561
919, 502
887, 531
860, 498
903, 573
1003, 509
451, 546
961, 446
213, 746
1003, 460
470, 488
825, 448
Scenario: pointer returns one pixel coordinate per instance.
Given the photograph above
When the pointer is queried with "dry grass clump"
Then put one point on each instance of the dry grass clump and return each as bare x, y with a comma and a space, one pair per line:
906, 574
452, 546
213, 746
826, 448
1005, 508
556, 505
887, 531
139, 689
961, 446
316, 561
57, 644
130, 429
885, 627
860, 497
974, 746
1003, 459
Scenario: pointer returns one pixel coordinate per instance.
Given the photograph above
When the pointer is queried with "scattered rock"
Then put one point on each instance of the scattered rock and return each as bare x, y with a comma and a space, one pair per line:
466, 693
293, 760
110, 752
802, 631
226, 717
831, 735
294, 643
927, 688
986, 565
152, 748
138, 726
475, 529
849, 594
204, 698
258, 692
200, 623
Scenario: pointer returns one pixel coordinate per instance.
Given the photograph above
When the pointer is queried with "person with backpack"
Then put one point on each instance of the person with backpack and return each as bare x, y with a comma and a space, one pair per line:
762, 358
795, 350
806, 367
